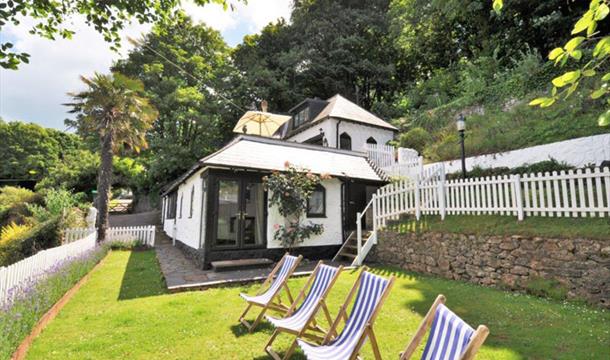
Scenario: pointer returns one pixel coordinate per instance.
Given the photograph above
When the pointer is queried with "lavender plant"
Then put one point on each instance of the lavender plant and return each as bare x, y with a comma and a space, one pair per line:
28, 301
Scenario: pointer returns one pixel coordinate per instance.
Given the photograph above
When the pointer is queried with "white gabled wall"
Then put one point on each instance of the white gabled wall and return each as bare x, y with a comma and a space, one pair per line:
187, 228
358, 132
332, 222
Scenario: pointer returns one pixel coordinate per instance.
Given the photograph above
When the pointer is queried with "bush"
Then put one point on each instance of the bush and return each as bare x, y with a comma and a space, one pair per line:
416, 138
41, 236
539, 167
14, 202
32, 300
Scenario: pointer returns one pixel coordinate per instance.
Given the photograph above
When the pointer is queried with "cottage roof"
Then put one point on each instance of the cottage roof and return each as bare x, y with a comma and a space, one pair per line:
266, 154
340, 107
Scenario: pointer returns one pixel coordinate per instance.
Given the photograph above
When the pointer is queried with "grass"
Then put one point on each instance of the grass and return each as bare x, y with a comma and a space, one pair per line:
124, 312
571, 228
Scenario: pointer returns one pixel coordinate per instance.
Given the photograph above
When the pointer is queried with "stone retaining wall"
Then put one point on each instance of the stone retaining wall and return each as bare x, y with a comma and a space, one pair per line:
582, 266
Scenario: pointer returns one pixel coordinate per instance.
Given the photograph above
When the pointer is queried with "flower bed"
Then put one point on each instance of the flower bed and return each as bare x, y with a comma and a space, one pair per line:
31, 300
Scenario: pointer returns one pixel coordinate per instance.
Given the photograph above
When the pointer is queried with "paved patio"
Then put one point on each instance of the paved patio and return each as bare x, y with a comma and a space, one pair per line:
181, 274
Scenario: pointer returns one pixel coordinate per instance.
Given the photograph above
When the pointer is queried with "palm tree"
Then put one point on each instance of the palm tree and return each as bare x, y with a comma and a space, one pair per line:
113, 109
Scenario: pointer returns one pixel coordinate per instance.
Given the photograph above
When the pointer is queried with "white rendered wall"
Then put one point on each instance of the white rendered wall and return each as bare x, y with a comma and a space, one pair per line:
576, 152
332, 222
358, 132
328, 126
187, 228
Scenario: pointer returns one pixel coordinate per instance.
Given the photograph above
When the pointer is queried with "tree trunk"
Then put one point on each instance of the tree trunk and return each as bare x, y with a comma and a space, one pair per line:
104, 183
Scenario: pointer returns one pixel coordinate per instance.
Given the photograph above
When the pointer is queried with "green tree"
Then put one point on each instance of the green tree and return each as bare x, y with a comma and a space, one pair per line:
112, 107
28, 150
185, 70
106, 17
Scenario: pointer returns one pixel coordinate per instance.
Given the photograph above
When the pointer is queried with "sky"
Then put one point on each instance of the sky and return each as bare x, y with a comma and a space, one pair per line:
35, 93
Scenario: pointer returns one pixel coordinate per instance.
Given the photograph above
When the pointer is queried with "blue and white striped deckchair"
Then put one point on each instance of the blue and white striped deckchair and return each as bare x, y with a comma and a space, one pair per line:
450, 337
266, 298
298, 321
372, 292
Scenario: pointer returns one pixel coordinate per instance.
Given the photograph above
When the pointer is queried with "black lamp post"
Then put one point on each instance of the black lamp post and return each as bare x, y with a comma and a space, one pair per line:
461, 126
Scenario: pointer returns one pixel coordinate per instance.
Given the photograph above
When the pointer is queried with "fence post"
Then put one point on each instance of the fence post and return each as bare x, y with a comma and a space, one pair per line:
441, 194
375, 214
417, 205
359, 232
518, 197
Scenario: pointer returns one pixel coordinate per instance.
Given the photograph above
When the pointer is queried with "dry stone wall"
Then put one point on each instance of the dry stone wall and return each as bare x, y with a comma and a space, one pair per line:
581, 266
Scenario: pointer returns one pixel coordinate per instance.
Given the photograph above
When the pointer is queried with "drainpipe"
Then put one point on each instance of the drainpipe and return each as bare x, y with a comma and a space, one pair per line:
337, 134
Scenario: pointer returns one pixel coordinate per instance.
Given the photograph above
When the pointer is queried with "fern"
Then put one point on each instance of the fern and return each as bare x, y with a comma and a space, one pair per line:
12, 231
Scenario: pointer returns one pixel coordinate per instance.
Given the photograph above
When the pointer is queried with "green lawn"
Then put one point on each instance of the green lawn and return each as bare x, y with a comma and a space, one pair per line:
592, 228
123, 312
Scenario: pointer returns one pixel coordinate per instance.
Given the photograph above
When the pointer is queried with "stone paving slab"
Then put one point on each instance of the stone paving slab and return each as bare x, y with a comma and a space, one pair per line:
181, 274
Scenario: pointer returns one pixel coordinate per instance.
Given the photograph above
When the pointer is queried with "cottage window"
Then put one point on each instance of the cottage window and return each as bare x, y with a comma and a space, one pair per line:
345, 141
316, 204
371, 140
181, 201
171, 206
301, 117
192, 199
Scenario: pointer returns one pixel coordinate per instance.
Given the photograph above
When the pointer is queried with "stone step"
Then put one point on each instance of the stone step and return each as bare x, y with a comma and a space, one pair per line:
241, 264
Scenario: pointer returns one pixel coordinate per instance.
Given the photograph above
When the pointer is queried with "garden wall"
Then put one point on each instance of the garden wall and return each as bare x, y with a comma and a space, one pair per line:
580, 266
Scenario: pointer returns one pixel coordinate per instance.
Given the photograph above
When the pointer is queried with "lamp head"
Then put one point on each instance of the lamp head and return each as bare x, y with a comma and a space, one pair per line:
460, 122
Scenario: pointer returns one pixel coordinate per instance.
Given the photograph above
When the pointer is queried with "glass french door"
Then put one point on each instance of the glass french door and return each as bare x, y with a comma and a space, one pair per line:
240, 214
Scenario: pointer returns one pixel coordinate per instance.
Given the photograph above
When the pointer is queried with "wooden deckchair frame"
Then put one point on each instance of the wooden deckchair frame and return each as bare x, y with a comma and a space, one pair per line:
271, 305
310, 324
368, 328
475, 343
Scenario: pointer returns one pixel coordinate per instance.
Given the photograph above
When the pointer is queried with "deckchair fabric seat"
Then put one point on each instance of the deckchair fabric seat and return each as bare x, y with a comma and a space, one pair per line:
370, 291
449, 336
300, 317
284, 272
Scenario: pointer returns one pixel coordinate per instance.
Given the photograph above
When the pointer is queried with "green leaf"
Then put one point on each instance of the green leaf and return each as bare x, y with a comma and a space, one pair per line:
555, 53
573, 44
554, 91
601, 12
568, 78
602, 48
538, 101
583, 23
548, 102
497, 6
571, 90
598, 93
576, 54
604, 119
588, 73
606, 77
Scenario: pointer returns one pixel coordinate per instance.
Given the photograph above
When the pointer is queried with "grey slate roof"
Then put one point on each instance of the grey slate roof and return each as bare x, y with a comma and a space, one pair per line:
265, 154
340, 107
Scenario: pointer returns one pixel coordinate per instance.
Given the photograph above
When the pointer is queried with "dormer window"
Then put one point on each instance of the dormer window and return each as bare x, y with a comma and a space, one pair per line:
301, 117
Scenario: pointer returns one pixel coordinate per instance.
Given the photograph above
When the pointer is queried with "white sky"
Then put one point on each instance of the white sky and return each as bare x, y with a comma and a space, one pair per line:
35, 92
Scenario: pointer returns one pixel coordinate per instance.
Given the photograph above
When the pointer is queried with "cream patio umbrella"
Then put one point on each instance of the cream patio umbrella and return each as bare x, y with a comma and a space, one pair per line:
260, 123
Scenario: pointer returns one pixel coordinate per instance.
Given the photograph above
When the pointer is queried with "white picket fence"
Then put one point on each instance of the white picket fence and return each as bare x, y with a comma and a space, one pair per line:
73, 234
145, 234
37, 265
395, 162
573, 193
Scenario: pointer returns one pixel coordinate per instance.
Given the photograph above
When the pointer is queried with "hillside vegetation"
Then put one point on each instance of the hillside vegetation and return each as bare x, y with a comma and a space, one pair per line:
495, 104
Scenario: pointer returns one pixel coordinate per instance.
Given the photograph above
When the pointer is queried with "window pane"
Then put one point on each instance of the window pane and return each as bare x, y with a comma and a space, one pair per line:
316, 203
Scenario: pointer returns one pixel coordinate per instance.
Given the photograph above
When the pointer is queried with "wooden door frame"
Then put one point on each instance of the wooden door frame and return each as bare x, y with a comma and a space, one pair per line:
212, 216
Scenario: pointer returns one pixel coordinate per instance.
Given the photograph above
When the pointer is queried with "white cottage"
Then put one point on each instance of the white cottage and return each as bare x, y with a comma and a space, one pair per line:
218, 210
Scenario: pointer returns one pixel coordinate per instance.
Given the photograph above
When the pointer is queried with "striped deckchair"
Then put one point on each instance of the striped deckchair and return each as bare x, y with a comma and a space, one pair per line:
267, 298
450, 337
372, 292
298, 321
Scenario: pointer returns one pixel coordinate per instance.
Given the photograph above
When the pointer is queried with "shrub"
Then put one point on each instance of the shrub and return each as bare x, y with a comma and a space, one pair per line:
539, 167
39, 237
14, 203
12, 232
416, 138
34, 299
135, 244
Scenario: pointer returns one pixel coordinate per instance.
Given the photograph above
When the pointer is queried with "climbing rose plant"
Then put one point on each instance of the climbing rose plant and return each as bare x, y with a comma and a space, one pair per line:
289, 191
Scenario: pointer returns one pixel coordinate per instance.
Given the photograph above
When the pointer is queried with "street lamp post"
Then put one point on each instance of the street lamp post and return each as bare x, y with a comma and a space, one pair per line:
461, 127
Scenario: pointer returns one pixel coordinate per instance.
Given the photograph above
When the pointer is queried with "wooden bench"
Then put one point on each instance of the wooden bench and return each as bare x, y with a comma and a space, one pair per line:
241, 264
